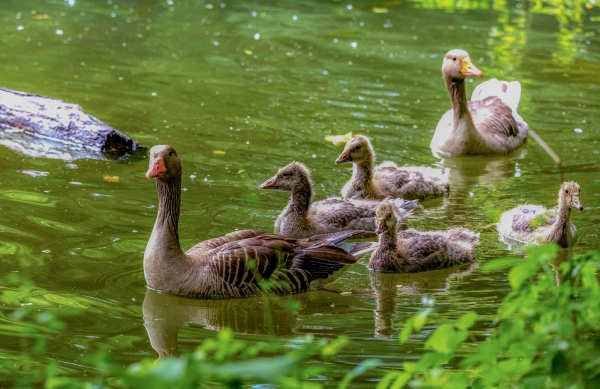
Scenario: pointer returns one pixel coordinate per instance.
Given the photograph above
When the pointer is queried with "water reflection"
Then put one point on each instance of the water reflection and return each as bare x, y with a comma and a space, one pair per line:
165, 315
388, 286
489, 172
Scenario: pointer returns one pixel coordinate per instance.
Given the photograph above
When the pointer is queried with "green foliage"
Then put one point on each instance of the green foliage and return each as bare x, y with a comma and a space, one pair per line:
544, 336
228, 362
545, 333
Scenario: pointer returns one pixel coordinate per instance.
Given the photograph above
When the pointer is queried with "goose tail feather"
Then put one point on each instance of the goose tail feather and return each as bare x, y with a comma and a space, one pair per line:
508, 92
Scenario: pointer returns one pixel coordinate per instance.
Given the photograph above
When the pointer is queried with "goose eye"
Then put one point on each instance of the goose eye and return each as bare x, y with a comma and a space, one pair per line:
170, 153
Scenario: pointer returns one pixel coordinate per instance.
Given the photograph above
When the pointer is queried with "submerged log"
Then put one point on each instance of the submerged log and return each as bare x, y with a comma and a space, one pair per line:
40, 126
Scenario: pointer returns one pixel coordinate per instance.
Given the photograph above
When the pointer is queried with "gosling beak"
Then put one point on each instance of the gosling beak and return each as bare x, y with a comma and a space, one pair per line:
158, 169
344, 157
271, 183
380, 226
575, 203
469, 69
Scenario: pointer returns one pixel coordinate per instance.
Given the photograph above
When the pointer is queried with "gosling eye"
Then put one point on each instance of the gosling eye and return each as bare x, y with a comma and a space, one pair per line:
566, 191
170, 153
357, 148
286, 174
454, 59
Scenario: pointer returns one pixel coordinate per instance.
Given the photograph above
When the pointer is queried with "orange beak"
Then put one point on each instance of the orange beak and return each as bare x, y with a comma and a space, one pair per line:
271, 183
469, 69
344, 157
157, 169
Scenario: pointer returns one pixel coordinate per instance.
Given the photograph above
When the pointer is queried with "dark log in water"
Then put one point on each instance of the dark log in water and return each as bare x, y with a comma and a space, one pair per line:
40, 126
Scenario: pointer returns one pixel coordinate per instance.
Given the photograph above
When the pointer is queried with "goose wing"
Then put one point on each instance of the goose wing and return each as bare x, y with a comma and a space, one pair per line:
325, 256
246, 257
410, 182
344, 214
527, 218
220, 241
492, 117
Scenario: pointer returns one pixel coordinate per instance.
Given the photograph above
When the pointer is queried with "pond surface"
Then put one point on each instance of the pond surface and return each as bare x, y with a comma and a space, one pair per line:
241, 88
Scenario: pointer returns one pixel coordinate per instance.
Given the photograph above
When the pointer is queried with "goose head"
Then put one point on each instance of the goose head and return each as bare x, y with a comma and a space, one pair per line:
385, 219
569, 195
164, 163
458, 65
291, 178
358, 149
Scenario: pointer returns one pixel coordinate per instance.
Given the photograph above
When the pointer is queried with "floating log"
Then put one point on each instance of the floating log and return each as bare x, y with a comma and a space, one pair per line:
40, 126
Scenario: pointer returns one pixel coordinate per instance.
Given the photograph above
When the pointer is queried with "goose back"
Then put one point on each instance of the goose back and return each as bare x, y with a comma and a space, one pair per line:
410, 182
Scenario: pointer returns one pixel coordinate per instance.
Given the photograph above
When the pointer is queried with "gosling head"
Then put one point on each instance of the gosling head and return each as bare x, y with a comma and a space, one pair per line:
290, 178
164, 163
458, 65
358, 149
569, 195
385, 219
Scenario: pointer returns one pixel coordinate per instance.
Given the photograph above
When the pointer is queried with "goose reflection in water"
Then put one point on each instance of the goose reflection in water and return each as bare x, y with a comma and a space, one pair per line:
388, 286
165, 315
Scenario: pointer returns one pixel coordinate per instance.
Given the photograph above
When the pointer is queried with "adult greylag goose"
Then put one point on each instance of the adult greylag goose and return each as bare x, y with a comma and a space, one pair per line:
302, 218
537, 224
489, 123
388, 180
234, 265
413, 251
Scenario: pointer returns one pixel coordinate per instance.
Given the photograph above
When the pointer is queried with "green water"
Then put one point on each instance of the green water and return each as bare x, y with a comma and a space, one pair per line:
241, 89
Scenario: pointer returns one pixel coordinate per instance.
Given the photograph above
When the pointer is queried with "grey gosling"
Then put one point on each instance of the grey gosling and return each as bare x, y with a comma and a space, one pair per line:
303, 218
388, 180
413, 251
537, 224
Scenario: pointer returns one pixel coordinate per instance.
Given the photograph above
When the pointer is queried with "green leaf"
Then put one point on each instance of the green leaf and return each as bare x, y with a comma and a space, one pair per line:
500, 264
521, 273
467, 320
406, 332
364, 366
442, 340
420, 318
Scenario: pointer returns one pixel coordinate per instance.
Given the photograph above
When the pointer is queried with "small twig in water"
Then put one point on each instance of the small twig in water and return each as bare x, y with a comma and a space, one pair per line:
546, 148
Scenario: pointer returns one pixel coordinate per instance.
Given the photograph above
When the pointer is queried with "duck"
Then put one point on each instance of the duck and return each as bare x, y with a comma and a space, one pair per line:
303, 218
234, 265
413, 251
536, 224
388, 180
488, 124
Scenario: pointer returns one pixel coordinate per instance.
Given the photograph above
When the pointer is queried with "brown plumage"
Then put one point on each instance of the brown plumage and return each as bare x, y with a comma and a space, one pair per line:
489, 123
414, 251
233, 265
302, 218
388, 180
536, 224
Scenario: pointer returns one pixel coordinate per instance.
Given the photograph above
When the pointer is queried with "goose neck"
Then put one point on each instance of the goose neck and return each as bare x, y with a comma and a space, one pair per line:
300, 201
562, 227
458, 95
388, 239
167, 221
362, 172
